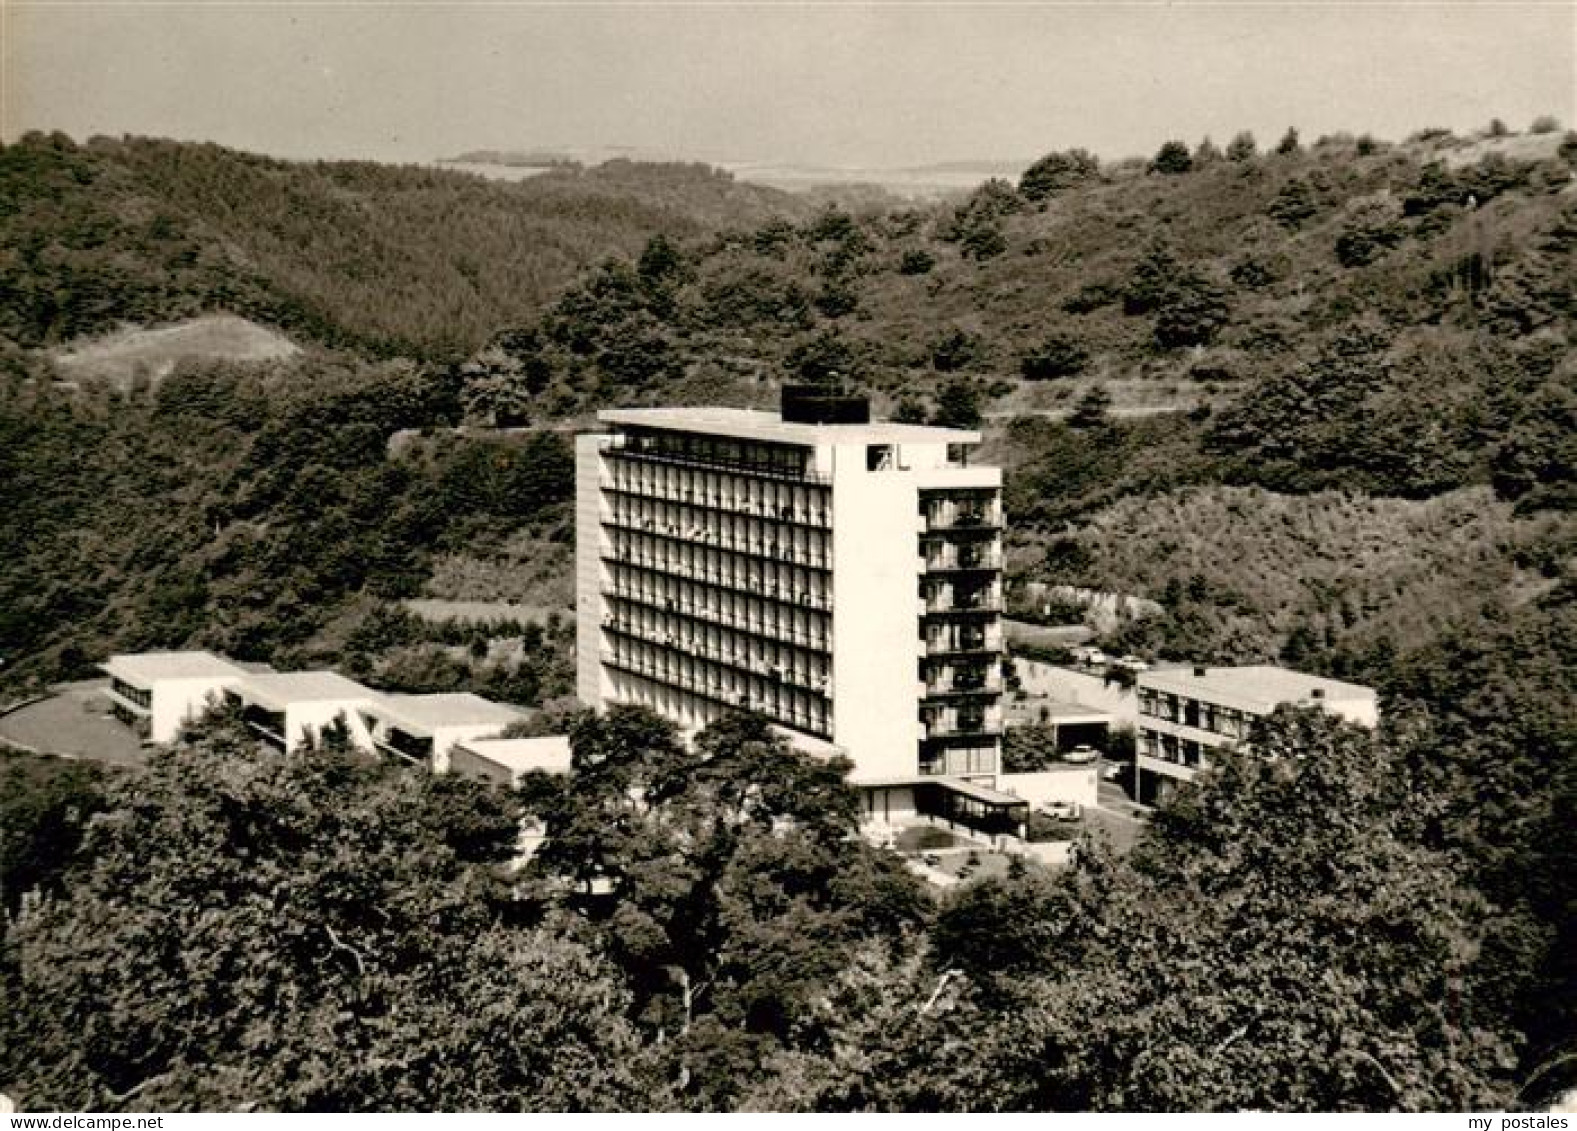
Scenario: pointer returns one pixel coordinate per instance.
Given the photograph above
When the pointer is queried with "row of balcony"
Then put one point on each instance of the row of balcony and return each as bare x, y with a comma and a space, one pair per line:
732, 656
955, 516
771, 551
791, 470
816, 722
754, 586
766, 628
815, 517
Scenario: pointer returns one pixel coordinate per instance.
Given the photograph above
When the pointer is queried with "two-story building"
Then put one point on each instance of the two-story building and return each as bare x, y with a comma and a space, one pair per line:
1186, 713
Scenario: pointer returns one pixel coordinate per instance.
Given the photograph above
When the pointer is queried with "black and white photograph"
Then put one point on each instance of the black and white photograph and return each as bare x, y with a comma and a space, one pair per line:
794, 556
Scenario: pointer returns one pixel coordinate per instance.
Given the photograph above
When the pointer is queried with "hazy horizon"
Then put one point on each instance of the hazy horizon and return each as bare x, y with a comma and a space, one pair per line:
872, 85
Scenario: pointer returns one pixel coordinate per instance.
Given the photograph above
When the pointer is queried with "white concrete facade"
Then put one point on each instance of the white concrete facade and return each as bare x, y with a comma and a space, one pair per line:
289, 709
844, 580
1186, 713
158, 692
426, 728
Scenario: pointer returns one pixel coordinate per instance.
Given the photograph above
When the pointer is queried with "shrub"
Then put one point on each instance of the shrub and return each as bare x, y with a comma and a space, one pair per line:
1242, 147
1544, 124
916, 261
1091, 411
1172, 159
1295, 203
1058, 356
1057, 171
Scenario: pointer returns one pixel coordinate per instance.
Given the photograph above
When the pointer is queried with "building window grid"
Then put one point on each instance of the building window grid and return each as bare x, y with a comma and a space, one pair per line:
1201, 714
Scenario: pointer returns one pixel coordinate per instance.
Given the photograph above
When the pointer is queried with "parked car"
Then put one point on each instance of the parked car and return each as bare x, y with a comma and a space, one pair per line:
1093, 657
1113, 771
1082, 755
1063, 810
1131, 664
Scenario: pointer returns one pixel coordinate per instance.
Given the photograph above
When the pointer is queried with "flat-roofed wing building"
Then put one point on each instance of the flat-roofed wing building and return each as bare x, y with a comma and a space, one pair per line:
156, 692
286, 709
425, 728
1186, 713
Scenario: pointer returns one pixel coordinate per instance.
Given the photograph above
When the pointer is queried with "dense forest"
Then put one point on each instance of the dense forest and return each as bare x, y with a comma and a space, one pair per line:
1314, 399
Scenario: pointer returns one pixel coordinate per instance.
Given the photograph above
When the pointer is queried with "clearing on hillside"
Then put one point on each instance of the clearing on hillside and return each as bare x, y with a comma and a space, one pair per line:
117, 357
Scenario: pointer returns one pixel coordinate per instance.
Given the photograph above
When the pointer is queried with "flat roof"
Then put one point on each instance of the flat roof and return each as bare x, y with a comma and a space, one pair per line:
277, 690
452, 709
753, 424
149, 667
550, 753
1259, 683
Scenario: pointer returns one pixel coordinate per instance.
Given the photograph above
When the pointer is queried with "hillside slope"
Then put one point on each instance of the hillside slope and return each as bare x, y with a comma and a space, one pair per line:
383, 259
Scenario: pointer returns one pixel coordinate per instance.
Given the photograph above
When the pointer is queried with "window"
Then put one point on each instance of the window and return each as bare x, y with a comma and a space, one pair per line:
879, 457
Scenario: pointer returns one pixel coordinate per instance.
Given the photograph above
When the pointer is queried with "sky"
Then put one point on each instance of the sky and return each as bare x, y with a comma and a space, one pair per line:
875, 85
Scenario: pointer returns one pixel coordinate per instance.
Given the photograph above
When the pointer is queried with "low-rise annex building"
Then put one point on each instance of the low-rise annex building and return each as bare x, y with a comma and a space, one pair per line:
286, 709
1186, 713
426, 728
155, 693
505, 761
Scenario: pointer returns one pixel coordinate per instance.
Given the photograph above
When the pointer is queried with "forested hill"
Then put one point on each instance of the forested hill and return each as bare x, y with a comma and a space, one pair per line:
383, 260
1173, 282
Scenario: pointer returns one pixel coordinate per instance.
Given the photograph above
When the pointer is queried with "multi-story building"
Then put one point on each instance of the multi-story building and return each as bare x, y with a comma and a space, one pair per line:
1186, 713
840, 576
156, 692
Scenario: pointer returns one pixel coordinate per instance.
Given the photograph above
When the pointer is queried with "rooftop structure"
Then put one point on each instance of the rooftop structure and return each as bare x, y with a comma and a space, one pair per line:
842, 577
1185, 713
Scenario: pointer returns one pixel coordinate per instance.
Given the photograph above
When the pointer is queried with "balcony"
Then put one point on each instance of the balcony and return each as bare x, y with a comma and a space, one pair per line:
962, 645
961, 562
944, 605
959, 726
963, 518
948, 688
